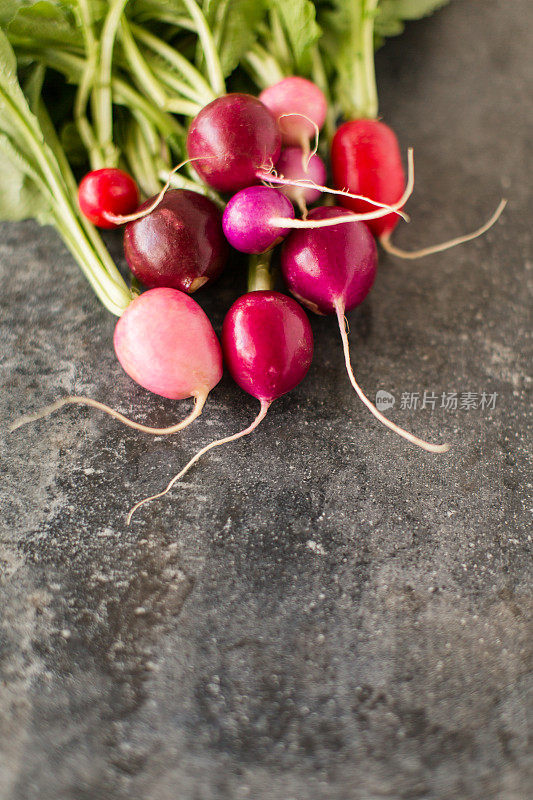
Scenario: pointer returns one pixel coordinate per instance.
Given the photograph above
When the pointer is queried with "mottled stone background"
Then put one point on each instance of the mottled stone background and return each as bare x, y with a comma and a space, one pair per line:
320, 611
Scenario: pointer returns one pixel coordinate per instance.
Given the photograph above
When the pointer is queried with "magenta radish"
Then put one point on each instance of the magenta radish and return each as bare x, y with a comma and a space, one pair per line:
231, 139
165, 342
291, 165
106, 193
246, 219
268, 348
366, 159
259, 217
180, 244
300, 108
331, 271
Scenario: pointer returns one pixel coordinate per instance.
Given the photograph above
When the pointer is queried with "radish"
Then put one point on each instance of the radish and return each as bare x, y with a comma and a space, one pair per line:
165, 342
179, 244
105, 193
231, 139
290, 165
300, 108
366, 159
268, 348
258, 217
247, 219
331, 272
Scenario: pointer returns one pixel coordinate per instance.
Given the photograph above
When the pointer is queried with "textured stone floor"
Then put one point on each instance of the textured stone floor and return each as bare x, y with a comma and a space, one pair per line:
320, 611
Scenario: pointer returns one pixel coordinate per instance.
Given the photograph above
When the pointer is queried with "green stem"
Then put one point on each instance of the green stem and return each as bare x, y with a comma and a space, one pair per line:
363, 99
102, 89
203, 92
212, 61
143, 75
259, 272
262, 67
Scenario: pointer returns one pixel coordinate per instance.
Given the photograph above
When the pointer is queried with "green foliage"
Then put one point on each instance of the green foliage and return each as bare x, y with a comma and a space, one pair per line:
235, 25
392, 15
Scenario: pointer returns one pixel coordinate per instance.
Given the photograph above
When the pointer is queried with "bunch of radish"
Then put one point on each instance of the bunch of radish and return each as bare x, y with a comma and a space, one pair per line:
261, 154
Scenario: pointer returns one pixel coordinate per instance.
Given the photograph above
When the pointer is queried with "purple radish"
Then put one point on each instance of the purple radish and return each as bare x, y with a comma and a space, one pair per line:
180, 244
231, 139
246, 219
165, 342
331, 271
259, 217
293, 165
300, 108
268, 348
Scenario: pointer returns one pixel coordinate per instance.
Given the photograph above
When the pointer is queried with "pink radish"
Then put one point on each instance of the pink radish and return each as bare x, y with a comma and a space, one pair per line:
268, 347
300, 108
293, 165
165, 342
231, 139
179, 244
331, 271
106, 193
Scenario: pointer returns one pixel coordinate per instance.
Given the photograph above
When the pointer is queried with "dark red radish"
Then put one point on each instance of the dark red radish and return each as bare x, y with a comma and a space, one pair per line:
293, 165
165, 342
268, 348
105, 193
180, 244
366, 160
331, 271
246, 219
300, 108
316, 266
231, 139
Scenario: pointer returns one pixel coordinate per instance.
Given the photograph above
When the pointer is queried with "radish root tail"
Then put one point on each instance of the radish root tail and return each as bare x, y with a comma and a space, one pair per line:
382, 208
438, 248
431, 448
307, 153
122, 219
265, 405
199, 402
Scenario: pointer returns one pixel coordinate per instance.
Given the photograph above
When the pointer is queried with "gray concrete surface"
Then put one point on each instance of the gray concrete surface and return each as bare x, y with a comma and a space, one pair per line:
320, 611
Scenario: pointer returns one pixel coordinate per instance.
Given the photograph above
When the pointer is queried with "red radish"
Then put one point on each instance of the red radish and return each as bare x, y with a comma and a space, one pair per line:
300, 108
105, 193
165, 342
231, 139
246, 219
365, 159
180, 244
268, 348
291, 165
331, 271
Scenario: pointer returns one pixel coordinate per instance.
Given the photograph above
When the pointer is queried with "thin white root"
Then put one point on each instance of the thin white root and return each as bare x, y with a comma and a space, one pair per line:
438, 248
199, 402
307, 154
122, 219
431, 448
262, 413
393, 208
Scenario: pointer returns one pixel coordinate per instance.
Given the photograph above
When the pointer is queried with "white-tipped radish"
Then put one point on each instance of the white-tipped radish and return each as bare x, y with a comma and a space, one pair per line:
165, 342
